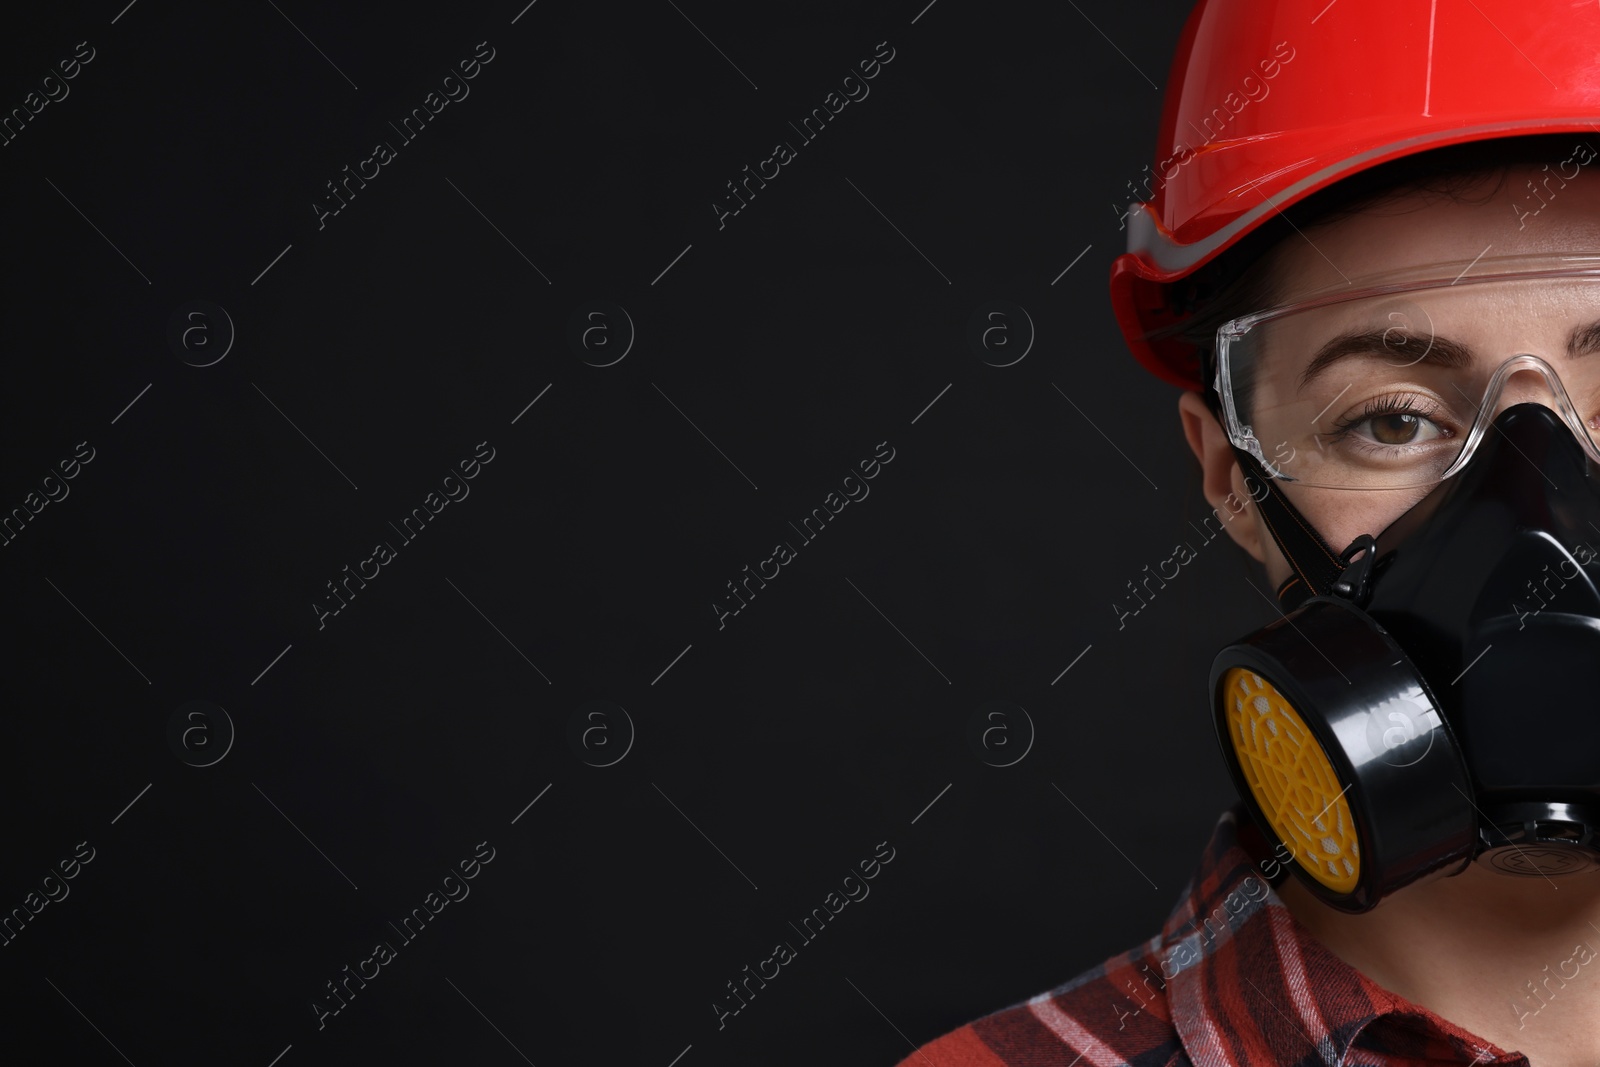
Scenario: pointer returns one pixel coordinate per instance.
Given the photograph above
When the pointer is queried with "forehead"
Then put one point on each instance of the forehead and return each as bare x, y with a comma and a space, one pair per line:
1558, 212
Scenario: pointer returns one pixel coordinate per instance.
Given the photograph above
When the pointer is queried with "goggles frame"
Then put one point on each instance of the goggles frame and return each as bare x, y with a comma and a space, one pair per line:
1554, 266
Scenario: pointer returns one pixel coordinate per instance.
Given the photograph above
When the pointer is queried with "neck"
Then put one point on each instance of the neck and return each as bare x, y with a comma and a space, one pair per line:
1514, 960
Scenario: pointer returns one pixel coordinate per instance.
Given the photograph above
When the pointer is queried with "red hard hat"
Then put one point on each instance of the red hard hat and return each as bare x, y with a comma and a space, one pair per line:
1269, 101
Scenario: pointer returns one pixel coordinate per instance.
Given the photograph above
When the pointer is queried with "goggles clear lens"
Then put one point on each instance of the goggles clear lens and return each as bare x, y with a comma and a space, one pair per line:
1393, 386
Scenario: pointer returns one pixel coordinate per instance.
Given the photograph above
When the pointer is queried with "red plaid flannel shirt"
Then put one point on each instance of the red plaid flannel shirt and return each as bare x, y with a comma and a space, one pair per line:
1232, 978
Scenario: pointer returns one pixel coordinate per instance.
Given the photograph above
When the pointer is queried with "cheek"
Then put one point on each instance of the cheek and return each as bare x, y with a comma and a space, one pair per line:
1341, 516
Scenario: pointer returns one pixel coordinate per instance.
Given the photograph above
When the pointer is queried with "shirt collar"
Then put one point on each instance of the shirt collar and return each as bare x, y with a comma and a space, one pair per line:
1248, 983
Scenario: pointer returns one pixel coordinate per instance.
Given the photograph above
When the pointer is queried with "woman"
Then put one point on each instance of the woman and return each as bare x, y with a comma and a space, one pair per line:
1375, 271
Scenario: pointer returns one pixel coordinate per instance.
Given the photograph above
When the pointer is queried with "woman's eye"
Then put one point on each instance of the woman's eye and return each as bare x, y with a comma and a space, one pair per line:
1400, 428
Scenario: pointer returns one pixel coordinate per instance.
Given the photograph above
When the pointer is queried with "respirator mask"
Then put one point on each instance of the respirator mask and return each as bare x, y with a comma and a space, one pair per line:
1430, 695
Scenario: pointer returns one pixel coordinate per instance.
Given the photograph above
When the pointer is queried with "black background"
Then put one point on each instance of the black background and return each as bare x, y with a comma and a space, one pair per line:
763, 760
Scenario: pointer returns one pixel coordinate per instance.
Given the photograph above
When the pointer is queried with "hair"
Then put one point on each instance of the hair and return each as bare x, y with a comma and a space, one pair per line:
1245, 278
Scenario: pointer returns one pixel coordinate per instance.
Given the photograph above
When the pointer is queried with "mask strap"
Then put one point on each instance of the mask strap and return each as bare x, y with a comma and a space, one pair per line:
1316, 565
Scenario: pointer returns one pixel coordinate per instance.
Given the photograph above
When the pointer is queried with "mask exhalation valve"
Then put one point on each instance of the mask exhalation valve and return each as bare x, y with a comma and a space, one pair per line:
1539, 839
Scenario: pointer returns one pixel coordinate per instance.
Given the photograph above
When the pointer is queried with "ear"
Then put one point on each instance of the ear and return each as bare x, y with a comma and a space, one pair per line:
1221, 480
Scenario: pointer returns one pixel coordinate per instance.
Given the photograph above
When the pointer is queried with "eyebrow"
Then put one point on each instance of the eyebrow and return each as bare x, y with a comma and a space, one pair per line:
1443, 352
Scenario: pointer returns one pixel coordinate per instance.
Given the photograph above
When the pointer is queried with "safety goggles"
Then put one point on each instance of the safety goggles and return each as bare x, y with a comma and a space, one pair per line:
1393, 385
